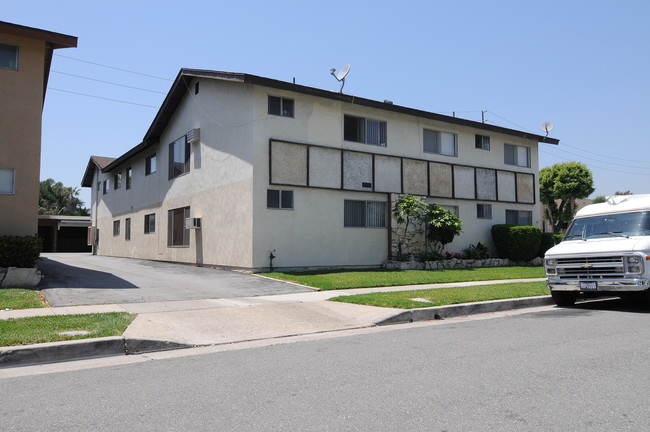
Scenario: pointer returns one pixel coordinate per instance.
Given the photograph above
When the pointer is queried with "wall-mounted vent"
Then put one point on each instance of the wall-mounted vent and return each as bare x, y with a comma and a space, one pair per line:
193, 223
194, 136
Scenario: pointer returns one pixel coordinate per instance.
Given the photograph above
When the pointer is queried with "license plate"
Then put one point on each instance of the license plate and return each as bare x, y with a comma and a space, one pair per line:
588, 286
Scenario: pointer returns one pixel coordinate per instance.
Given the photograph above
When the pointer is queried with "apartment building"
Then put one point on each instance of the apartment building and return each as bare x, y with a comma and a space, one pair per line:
236, 168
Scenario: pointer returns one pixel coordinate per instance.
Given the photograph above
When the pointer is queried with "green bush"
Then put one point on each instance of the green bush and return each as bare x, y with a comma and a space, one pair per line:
548, 241
17, 251
558, 238
516, 242
476, 252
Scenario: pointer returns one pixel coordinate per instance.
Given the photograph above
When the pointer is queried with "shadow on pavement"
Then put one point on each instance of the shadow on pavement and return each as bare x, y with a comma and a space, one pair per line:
59, 275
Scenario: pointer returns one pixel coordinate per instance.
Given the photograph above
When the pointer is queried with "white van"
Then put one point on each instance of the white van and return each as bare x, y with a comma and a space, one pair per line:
606, 251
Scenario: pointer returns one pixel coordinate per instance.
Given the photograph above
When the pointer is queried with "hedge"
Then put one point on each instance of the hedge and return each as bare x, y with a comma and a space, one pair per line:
517, 242
548, 241
17, 251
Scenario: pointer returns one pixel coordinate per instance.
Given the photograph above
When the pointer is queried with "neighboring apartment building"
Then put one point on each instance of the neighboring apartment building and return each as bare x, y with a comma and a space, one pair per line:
235, 167
25, 58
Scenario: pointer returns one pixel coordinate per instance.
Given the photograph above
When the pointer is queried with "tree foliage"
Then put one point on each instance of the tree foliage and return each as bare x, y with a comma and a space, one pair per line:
599, 199
560, 185
57, 199
442, 226
407, 210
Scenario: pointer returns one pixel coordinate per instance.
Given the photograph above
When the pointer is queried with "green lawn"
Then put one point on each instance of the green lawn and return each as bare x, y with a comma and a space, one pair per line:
20, 298
447, 296
343, 279
24, 331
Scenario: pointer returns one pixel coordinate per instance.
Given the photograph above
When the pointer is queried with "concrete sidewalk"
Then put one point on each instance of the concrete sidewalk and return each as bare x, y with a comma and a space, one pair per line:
179, 324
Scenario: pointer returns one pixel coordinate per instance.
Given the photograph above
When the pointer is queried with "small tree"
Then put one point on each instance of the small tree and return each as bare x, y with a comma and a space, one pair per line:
57, 199
560, 185
408, 210
442, 226
599, 199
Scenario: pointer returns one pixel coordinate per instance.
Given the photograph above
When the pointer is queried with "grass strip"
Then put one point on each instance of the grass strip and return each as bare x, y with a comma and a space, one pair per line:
24, 331
447, 296
346, 279
20, 298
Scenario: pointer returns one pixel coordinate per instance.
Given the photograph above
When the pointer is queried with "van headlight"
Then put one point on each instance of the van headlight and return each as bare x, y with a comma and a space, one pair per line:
634, 264
549, 265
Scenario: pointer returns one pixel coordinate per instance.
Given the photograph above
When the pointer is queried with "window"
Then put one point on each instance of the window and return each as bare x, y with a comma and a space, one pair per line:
369, 214
8, 56
117, 181
99, 186
279, 199
484, 211
7, 181
516, 155
366, 131
127, 229
177, 234
150, 165
437, 142
129, 177
482, 142
116, 228
179, 157
452, 209
280, 106
519, 217
106, 186
150, 223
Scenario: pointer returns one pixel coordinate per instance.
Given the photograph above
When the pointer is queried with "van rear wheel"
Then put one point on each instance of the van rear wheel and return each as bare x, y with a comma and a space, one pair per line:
564, 298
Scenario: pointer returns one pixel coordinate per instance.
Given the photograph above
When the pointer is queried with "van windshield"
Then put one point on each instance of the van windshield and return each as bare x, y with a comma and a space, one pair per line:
611, 225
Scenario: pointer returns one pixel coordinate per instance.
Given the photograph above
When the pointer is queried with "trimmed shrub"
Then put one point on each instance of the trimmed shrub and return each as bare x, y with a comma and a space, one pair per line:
516, 242
558, 238
17, 251
548, 241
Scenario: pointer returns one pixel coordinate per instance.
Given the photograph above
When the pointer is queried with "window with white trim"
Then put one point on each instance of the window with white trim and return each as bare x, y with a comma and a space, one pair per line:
279, 199
364, 214
438, 142
7, 181
484, 211
365, 131
516, 155
519, 217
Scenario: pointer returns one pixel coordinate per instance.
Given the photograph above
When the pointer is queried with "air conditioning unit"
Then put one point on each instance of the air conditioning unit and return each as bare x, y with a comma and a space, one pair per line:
193, 223
193, 136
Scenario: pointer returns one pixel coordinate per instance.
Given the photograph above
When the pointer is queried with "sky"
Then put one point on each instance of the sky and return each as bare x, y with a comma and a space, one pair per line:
582, 65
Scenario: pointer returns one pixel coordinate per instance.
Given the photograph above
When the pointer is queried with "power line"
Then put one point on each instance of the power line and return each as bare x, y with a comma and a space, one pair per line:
595, 166
610, 163
108, 82
605, 156
113, 67
99, 97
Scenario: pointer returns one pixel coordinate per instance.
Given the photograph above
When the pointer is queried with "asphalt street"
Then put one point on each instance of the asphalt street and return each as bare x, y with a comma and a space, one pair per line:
83, 279
578, 369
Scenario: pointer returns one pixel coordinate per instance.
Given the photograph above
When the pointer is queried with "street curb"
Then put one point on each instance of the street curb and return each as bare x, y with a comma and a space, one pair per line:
53, 352
441, 312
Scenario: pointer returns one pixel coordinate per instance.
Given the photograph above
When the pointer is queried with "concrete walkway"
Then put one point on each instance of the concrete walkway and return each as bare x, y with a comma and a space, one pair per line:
187, 323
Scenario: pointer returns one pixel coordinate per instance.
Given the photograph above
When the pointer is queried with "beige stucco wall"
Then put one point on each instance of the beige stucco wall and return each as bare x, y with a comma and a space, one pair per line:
21, 96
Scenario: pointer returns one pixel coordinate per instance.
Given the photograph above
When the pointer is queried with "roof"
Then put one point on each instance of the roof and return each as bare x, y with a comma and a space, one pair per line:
94, 163
186, 76
617, 204
56, 40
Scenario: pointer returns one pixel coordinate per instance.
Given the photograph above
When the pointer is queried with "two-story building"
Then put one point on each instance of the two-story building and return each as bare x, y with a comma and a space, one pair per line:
25, 58
235, 167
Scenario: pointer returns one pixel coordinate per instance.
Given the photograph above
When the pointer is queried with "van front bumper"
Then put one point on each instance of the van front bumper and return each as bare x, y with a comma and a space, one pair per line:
610, 285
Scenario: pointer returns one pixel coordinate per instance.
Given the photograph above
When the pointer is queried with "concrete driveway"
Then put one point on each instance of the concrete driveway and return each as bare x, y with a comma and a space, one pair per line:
83, 279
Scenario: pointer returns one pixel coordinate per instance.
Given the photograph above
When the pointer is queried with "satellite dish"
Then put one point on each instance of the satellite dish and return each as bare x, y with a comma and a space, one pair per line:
547, 127
340, 76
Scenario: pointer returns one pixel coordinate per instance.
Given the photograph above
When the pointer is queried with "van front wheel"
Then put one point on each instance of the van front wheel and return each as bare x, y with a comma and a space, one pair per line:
564, 298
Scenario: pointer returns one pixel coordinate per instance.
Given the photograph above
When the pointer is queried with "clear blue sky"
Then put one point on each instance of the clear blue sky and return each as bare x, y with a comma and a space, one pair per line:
583, 65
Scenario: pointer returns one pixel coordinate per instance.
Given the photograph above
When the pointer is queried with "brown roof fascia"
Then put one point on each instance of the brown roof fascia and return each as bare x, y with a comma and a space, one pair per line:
185, 76
95, 162
56, 40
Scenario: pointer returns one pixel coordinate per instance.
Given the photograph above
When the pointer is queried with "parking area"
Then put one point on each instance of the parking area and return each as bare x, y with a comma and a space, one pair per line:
83, 279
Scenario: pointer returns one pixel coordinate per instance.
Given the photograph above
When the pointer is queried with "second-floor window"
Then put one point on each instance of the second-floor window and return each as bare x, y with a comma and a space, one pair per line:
179, 157
150, 164
129, 178
444, 143
516, 155
8, 56
117, 181
482, 142
281, 106
364, 130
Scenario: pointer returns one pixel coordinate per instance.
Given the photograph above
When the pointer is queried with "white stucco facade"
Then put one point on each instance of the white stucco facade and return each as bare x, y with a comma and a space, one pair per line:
244, 151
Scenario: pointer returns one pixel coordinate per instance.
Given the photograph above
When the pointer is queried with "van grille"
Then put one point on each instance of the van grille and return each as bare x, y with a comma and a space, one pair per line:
611, 267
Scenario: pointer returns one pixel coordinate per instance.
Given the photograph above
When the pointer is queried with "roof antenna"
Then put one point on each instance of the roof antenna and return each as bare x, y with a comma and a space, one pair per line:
340, 76
547, 127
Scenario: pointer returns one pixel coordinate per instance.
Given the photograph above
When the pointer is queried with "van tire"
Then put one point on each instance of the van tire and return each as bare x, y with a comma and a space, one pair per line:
564, 298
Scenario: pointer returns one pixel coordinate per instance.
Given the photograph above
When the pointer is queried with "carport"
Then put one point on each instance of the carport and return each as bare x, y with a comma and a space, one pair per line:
64, 233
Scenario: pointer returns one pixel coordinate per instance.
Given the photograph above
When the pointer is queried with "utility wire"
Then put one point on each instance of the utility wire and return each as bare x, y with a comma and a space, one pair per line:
595, 166
108, 82
113, 67
600, 161
99, 97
